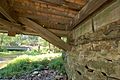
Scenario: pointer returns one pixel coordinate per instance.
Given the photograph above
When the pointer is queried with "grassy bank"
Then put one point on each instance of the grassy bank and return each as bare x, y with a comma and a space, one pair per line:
26, 63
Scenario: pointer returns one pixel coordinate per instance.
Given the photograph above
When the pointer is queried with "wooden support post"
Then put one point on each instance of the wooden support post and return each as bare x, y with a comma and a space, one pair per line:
11, 33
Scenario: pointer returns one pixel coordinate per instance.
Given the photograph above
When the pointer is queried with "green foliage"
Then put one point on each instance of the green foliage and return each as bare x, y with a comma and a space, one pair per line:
19, 66
33, 52
3, 49
6, 53
26, 64
35, 42
33, 59
57, 64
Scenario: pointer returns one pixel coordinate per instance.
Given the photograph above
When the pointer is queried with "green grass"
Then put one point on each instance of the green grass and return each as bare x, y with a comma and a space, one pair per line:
16, 53
11, 53
57, 64
27, 63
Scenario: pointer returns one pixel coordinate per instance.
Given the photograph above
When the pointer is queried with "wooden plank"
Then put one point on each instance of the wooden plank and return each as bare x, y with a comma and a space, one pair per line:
63, 3
46, 10
6, 11
46, 34
88, 9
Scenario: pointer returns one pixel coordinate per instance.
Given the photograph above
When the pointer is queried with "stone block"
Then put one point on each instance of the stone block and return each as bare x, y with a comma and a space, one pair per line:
107, 16
83, 28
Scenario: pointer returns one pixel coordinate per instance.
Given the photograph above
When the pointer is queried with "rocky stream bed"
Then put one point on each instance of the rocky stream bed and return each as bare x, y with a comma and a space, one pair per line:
45, 74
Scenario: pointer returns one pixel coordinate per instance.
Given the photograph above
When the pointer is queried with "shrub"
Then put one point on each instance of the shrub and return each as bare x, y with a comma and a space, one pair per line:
19, 66
57, 64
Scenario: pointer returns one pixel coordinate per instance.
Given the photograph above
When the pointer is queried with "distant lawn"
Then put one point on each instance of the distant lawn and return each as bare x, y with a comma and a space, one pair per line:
27, 63
11, 53
17, 53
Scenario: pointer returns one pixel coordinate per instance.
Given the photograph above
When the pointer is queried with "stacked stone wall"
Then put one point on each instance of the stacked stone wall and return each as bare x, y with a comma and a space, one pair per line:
95, 53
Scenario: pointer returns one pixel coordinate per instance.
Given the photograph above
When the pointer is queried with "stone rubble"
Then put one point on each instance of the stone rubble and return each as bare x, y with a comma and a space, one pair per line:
41, 75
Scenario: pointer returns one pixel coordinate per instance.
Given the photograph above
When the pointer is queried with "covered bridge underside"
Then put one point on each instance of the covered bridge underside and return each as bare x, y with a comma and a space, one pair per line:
92, 28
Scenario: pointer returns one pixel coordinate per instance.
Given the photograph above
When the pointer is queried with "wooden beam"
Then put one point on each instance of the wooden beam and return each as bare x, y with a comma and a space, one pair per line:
6, 11
13, 27
7, 23
7, 29
88, 9
63, 3
52, 22
46, 34
61, 33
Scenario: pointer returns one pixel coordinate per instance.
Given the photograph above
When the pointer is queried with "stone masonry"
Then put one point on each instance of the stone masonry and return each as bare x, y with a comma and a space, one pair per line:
95, 54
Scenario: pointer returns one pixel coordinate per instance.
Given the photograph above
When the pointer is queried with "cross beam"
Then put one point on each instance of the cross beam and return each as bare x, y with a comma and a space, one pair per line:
6, 11
6, 25
46, 34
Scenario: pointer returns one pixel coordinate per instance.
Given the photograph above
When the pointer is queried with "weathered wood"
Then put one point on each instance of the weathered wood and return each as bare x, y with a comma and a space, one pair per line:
13, 27
45, 10
7, 23
46, 17
7, 29
6, 11
63, 3
11, 33
46, 34
88, 9
61, 33
52, 22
